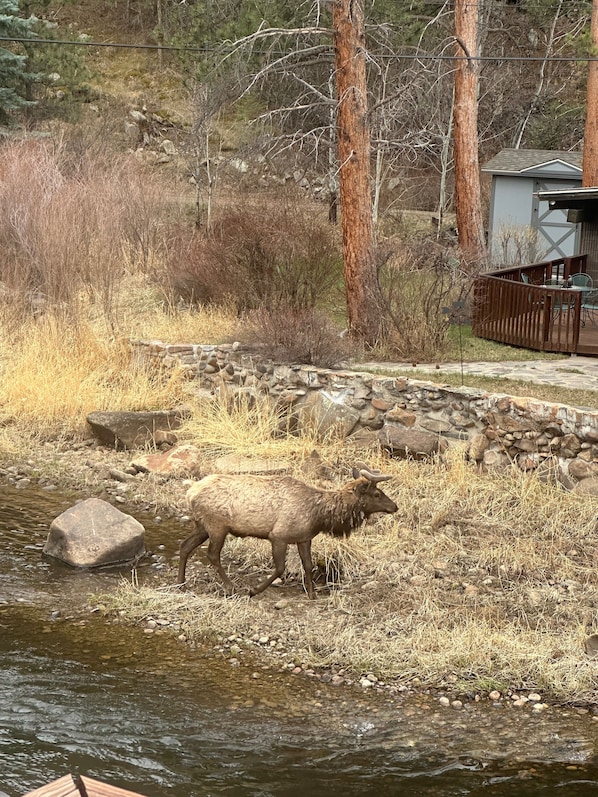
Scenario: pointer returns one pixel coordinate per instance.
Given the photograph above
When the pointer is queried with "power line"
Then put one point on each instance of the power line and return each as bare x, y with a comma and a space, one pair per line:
384, 57
87, 43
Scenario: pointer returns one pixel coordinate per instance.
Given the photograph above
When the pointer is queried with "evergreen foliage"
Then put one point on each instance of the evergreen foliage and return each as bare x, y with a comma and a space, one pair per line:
14, 74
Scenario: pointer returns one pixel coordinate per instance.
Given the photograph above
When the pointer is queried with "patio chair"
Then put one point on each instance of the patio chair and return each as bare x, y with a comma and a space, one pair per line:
582, 280
589, 299
589, 307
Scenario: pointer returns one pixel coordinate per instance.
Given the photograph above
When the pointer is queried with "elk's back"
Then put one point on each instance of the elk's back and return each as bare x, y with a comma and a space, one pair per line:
250, 505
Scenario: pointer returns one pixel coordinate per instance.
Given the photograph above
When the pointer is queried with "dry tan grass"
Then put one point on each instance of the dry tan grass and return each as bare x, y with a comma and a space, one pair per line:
491, 579
54, 371
54, 374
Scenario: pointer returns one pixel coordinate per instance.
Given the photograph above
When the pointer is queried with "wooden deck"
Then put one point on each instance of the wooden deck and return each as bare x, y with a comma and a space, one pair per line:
520, 307
80, 786
588, 338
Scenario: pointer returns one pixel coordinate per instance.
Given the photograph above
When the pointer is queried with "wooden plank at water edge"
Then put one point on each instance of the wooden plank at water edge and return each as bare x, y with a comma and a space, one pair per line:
79, 786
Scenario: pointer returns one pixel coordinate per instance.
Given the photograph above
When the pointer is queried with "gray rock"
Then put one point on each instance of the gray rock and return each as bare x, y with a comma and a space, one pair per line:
410, 442
591, 645
435, 425
365, 440
93, 533
131, 430
319, 411
495, 460
477, 447
580, 469
587, 486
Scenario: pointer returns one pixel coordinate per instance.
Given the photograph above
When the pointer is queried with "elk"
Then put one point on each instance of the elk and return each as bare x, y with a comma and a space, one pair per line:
280, 509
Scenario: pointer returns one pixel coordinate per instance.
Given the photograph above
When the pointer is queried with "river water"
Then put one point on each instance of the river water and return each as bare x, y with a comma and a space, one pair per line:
148, 714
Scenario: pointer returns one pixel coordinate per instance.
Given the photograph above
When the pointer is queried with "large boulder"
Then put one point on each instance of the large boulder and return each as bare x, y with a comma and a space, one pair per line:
93, 533
132, 430
322, 413
402, 442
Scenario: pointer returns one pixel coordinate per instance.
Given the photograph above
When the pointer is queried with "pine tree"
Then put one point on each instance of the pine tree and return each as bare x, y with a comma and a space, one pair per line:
13, 67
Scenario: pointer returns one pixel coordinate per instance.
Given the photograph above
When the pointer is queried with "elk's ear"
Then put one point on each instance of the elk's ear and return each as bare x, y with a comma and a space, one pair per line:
356, 473
362, 486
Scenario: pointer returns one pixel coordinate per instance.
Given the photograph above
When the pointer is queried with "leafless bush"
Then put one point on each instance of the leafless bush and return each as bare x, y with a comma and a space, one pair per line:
519, 245
68, 225
273, 254
419, 288
300, 335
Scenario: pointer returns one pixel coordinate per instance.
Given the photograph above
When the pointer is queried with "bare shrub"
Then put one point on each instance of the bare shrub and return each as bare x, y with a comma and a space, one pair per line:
70, 226
417, 287
300, 335
520, 244
274, 254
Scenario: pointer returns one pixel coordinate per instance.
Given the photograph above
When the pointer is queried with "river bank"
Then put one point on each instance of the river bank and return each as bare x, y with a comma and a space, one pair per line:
479, 588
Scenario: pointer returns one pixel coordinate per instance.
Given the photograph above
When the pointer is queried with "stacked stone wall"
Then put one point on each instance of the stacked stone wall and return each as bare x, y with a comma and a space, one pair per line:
403, 415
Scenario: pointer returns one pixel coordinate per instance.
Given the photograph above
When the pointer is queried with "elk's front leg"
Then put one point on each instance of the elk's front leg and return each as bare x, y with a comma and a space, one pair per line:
199, 536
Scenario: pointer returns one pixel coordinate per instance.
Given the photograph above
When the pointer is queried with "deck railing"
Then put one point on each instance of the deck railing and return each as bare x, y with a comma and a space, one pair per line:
516, 305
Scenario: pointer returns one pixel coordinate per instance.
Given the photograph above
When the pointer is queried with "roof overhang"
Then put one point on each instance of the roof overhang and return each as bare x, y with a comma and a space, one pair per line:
566, 198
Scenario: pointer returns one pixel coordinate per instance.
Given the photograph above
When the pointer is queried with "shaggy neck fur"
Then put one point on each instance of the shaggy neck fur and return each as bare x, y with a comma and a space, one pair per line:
340, 512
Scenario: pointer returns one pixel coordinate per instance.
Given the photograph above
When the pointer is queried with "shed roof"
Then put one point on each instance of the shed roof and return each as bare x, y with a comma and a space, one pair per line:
519, 161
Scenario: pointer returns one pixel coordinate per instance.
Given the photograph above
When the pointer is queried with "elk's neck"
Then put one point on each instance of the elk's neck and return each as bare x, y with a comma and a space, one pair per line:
340, 514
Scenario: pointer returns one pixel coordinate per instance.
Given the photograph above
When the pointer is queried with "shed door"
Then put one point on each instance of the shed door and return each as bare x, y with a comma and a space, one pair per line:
556, 236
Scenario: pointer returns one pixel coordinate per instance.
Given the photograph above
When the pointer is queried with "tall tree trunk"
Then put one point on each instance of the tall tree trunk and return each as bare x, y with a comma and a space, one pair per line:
468, 195
590, 142
361, 278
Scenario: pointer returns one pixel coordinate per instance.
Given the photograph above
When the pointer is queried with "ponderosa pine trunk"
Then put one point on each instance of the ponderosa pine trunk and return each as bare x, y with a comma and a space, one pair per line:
468, 194
360, 272
590, 142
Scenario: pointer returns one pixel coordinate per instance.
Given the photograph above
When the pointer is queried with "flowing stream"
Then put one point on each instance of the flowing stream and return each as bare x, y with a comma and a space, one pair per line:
148, 714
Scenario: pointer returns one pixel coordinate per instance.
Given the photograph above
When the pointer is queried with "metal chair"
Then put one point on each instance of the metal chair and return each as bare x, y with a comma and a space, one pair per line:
582, 280
589, 307
589, 299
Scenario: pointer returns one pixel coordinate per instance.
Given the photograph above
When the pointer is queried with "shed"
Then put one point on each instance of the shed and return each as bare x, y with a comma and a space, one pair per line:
521, 229
581, 206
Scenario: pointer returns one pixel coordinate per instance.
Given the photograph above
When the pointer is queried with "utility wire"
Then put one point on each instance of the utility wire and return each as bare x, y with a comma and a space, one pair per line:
572, 59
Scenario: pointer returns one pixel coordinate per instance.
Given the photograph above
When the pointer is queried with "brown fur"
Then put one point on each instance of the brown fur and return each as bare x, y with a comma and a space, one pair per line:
281, 509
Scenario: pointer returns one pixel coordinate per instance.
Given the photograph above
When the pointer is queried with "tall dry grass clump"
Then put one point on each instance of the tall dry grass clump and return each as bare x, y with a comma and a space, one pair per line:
53, 373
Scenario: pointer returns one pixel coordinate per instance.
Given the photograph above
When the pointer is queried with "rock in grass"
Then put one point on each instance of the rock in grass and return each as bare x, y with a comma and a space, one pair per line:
94, 533
132, 430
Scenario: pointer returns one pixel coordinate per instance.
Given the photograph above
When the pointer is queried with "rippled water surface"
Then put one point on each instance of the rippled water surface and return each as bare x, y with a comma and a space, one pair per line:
147, 714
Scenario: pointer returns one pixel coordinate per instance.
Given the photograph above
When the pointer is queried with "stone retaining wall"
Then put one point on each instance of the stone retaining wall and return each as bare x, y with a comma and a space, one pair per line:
401, 414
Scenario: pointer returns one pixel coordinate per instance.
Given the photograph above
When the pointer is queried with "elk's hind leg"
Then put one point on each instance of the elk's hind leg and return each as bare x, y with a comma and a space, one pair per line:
199, 536
304, 549
217, 538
